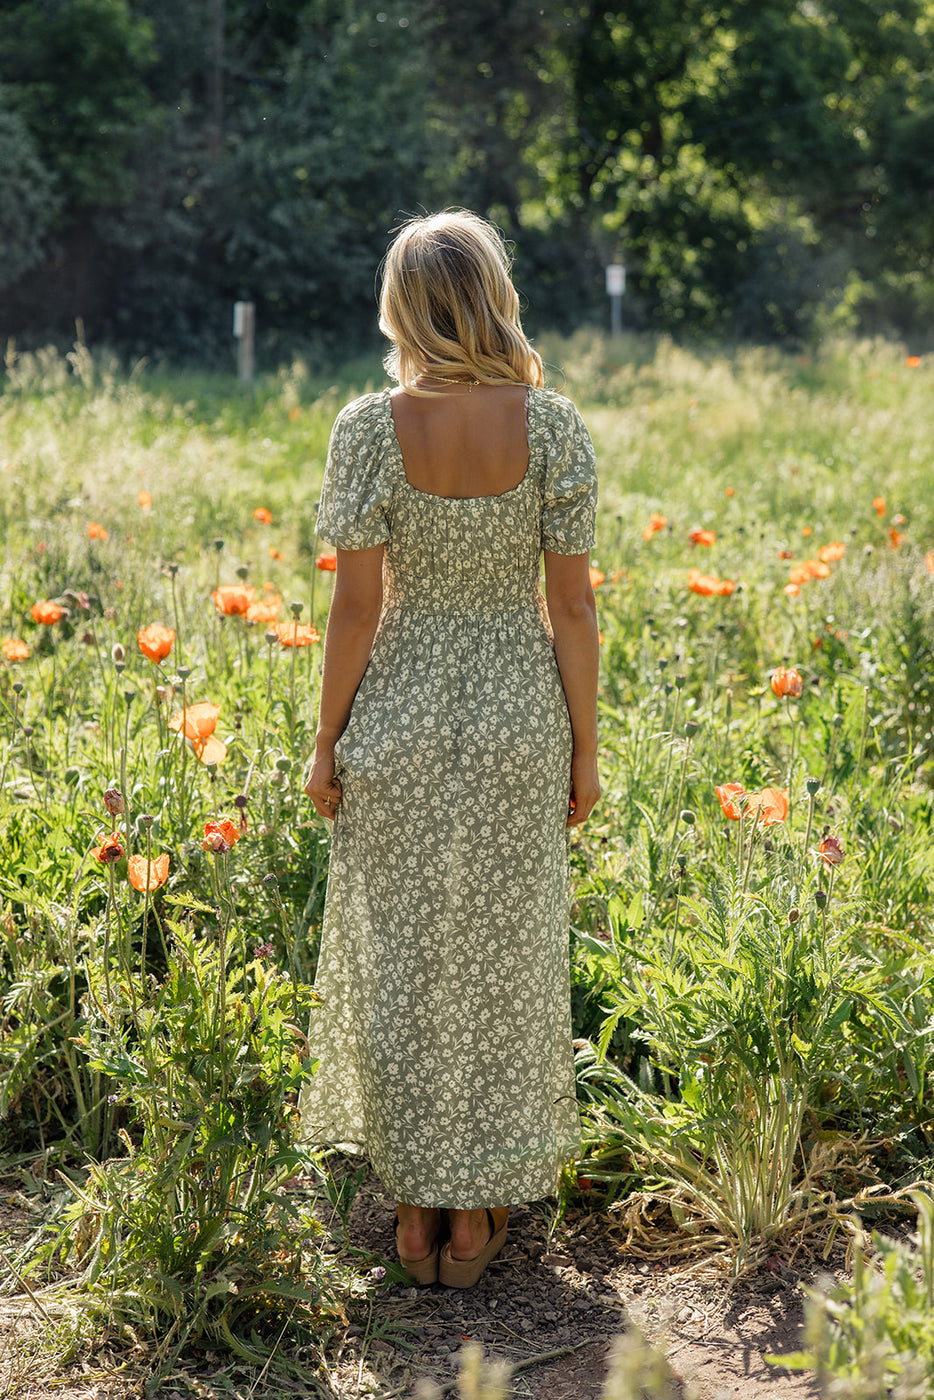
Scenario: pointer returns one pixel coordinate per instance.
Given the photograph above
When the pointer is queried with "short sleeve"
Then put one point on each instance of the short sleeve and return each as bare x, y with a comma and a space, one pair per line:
569, 498
355, 499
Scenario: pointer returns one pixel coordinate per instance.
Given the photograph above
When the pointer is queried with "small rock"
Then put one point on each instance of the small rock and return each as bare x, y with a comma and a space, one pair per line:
685, 1314
558, 1261
581, 1304
385, 1348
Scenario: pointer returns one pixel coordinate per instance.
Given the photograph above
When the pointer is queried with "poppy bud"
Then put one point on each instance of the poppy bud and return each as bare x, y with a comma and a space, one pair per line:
794, 915
820, 898
241, 800
691, 728
113, 801
117, 653
28, 730
184, 672
296, 609
813, 786
242, 572
218, 545
662, 662
284, 764
270, 881
688, 817
271, 637
18, 687
836, 721
145, 821
171, 569
680, 681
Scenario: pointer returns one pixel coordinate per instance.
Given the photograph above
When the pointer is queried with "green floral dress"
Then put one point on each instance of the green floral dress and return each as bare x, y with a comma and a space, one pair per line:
443, 1032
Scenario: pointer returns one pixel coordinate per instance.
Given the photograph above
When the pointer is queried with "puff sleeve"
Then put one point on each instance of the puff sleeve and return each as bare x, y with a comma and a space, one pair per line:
355, 496
569, 498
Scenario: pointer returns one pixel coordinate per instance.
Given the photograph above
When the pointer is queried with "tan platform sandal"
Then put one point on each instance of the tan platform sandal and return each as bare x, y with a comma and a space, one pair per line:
464, 1273
423, 1270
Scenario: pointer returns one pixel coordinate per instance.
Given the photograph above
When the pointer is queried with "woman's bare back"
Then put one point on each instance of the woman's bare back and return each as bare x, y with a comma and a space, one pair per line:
463, 443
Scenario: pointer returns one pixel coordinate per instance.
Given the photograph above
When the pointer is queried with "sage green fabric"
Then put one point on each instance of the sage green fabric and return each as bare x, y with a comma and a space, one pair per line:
443, 1032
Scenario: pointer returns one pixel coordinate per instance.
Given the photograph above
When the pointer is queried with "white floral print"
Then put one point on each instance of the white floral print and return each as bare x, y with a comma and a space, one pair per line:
443, 1032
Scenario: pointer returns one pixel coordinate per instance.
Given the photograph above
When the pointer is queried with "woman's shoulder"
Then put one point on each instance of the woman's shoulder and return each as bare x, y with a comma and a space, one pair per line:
365, 411
553, 414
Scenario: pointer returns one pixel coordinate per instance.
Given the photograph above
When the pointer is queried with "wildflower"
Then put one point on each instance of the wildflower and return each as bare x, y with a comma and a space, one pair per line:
656, 522
729, 491
95, 531
233, 598
327, 563
830, 553
704, 537
830, 851
291, 635
792, 589
198, 722
46, 613
771, 804
729, 796
878, 505
708, 585
596, 578
786, 554
108, 849
220, 837
817, 568
800, 573
913, 361
275, 553
155, 641
787, 681
262, 951
113, 801
806, 530
145, 500
895, 537
14, 650
929, 561
899, 519
147, 874
264, 609
263, 515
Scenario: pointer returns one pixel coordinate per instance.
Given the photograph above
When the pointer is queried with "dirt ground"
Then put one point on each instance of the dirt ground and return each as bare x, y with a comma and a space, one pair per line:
555, 1298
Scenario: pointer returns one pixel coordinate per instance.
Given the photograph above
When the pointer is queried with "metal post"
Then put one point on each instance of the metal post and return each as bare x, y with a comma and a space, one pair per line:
244, 323
616, 286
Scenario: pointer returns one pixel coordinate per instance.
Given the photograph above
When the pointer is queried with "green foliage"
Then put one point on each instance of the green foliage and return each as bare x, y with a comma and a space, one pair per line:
873, 1338
28, 202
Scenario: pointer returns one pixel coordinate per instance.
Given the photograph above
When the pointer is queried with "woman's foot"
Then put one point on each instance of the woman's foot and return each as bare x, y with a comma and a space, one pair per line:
471, 1232
417, 1231
481, 1232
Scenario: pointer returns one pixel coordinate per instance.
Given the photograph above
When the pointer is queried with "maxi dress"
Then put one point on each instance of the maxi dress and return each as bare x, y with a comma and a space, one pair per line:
443, 1030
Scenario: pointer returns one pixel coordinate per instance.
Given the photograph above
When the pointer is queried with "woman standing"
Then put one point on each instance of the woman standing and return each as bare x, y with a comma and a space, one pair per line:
456, 743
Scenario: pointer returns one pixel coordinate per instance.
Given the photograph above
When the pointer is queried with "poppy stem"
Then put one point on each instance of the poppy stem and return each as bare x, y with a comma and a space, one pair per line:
752, 846
862, 732
674, 721
793, 718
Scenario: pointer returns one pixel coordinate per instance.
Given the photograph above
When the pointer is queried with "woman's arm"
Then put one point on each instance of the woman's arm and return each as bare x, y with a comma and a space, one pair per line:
352, 621
573, 614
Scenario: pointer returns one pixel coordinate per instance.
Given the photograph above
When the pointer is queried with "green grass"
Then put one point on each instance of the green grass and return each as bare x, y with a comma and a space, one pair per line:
758, 1024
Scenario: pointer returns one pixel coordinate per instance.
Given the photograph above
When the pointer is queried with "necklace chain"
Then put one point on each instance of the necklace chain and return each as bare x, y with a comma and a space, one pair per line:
443, 379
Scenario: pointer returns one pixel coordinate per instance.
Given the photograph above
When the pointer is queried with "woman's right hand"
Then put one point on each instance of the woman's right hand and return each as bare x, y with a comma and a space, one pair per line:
322, 786
585, 789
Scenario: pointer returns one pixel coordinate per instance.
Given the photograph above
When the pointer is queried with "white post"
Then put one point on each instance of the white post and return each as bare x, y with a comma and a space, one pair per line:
615, 287
244, 322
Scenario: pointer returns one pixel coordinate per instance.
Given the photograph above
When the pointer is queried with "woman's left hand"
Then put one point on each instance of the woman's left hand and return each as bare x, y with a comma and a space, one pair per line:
322, 786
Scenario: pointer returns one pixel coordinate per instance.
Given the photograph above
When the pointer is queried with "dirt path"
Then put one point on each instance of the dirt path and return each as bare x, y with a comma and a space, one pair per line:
570, 1292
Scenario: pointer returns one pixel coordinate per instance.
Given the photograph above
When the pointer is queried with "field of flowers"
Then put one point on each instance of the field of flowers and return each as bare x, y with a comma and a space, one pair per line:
752, 960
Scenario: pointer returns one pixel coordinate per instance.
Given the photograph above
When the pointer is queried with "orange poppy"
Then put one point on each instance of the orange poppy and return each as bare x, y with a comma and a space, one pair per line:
806, 531
95, 531
15, 650
233, 598
263, 515
729, 491
291, 635
108, 849
274, 553
787, 681
146, 874
264, 609
771, 804
792, 589
704, 537
929, 561
729, 796
913, 361
830, 553
786, 554
294, 413
596, 578
198, 722
155, 641
708, 585
895, 538
656, 522
327, 563
46, 613
878, 505
830, 850
145, 500
220, 836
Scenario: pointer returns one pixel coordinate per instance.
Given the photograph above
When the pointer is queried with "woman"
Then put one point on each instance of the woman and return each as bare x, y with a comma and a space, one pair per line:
456, 743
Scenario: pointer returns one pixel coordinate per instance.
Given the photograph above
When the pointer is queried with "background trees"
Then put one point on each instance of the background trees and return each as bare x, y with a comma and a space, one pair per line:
766, 167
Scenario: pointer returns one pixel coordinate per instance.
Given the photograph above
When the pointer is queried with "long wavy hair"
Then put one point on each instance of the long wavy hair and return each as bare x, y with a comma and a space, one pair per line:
449, 307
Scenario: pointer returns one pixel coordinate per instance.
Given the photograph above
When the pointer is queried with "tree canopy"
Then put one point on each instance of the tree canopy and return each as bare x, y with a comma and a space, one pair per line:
764, 167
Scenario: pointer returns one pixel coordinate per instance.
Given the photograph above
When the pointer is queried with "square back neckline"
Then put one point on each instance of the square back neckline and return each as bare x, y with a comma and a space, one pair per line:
460, 500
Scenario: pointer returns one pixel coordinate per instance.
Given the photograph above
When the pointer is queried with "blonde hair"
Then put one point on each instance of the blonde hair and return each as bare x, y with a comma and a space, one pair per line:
449, 307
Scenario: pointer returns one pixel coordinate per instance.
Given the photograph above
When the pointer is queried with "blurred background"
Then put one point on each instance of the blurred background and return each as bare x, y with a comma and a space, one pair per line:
764, 169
